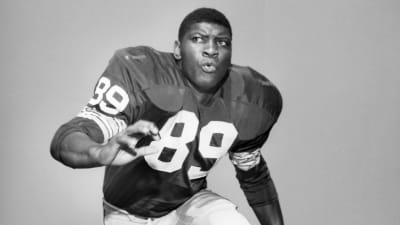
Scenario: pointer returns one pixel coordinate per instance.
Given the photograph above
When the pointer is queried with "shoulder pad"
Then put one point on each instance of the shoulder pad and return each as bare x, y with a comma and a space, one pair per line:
147, 67
153, 73
139, 52
256, 103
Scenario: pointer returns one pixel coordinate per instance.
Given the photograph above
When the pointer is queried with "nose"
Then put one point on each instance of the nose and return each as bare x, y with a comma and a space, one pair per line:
210, 50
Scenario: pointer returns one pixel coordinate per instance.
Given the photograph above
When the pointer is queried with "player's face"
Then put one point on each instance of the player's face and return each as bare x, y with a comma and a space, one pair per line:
206, 52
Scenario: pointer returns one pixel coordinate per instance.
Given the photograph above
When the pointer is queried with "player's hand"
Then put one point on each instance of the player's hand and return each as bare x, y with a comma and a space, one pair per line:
122, 149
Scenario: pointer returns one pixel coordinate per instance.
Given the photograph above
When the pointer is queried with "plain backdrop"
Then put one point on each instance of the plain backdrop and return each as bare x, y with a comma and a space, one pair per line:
334, 154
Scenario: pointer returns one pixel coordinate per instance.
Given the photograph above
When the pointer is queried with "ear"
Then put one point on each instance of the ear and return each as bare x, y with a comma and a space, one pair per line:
177, 50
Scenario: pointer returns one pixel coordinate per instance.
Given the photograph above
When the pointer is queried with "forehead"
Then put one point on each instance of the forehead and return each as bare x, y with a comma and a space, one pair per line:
208, 29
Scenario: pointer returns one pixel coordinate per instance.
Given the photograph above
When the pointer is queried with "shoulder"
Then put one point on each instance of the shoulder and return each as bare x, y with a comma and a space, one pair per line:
152, 73
256, 102
143, 56
139, 52
144, 66
254, 88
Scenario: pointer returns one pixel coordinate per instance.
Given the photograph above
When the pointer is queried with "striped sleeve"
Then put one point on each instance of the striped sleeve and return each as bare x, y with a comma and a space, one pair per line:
246, 160
108, 125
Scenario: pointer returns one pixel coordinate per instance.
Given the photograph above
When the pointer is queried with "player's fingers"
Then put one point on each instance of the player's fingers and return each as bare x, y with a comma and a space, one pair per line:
144, 127
126, 141
146, 150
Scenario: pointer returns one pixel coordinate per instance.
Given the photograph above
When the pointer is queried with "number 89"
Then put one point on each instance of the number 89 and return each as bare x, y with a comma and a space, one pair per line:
111, 100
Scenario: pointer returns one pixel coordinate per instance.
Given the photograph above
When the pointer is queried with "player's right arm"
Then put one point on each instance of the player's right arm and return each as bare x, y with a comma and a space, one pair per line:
77, 149
106, 130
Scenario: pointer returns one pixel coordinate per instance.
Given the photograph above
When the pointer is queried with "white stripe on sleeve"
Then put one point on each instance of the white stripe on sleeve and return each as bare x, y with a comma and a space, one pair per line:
109, 126
246, 160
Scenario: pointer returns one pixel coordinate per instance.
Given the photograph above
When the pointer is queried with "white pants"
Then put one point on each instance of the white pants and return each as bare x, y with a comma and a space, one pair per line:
204, 208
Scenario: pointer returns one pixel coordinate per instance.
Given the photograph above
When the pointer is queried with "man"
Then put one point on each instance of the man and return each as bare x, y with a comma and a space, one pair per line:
159, 122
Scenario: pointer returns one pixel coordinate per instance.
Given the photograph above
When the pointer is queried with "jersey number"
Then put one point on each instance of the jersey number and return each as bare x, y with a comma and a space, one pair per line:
176, 144
111, 99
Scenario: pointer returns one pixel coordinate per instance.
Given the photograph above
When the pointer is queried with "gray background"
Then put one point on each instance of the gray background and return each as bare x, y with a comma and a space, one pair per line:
333, 154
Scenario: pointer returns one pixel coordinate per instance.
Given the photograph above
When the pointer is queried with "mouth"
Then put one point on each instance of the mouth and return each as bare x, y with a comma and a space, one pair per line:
208, 67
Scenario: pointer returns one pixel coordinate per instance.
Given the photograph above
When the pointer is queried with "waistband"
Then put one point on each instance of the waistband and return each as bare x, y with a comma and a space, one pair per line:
112, 209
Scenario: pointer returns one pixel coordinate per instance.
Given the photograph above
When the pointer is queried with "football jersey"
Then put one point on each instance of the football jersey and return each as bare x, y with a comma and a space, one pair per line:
141, 83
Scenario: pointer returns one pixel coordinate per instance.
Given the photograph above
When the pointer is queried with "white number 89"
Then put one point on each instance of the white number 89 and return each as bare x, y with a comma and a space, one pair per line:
111, 100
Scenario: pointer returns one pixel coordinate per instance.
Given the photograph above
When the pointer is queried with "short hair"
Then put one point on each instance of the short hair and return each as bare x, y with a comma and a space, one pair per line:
199, 15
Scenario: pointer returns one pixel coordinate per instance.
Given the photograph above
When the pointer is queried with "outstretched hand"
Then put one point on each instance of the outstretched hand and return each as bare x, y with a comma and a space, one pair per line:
122, 148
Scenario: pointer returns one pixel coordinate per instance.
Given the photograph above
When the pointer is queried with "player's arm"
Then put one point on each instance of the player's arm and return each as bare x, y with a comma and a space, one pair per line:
252, 172
97, 134
258, 186
77, 144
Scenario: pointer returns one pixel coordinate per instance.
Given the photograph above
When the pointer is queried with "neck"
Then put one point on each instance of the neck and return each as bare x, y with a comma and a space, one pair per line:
203, 98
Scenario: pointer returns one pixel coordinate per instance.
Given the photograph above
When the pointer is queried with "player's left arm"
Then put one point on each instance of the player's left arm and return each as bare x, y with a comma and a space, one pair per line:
257, 184
251, 168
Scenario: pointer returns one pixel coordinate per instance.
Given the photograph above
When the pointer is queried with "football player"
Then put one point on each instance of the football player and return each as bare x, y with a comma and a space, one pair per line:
159, 121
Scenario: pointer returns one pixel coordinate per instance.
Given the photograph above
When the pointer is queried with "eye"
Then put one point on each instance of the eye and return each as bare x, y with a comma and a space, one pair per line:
197, 39
224, 42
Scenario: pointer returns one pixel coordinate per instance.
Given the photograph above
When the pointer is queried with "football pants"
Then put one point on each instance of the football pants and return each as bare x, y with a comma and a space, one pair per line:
204, 208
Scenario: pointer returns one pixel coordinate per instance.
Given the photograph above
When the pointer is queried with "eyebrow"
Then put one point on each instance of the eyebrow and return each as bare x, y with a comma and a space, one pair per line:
223, 35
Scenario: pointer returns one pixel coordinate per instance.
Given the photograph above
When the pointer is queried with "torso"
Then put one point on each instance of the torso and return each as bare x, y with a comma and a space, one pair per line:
194, 136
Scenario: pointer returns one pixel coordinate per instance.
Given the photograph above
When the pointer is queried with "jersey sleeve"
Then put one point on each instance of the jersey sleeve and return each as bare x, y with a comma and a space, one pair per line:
252, 172
117, 96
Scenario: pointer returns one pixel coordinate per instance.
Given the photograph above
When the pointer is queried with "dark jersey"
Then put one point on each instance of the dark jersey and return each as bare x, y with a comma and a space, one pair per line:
144, 84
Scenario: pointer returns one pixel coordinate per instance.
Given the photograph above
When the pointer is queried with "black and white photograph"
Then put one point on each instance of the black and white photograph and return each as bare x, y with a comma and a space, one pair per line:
200, 112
